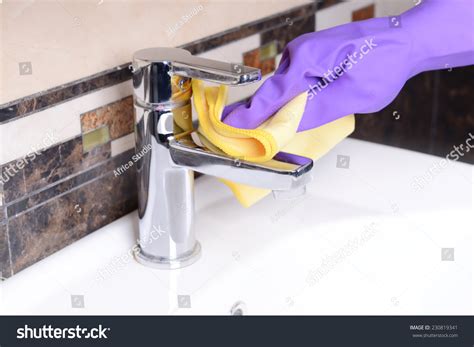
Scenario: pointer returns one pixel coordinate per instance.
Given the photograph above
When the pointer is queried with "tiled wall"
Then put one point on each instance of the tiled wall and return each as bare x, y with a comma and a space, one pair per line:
60, 147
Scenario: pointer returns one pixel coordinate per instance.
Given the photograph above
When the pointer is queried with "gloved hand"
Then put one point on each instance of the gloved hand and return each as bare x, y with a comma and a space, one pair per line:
360, 67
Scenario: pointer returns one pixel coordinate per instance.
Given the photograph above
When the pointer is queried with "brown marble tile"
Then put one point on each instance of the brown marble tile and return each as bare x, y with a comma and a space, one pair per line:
363, 13
118, 116
13, 181
44, 170
252, 58
288, 30
322, 4
66, 185
454, 117
40, 101
50, 166
267, 66
5, 268
74, 160
40, 232
405, 122
57, 223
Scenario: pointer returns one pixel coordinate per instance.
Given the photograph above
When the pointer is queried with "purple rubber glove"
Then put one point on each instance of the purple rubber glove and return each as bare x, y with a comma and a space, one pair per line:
360, 67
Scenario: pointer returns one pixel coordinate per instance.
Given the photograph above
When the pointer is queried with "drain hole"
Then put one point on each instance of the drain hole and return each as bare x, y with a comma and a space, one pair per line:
238, 309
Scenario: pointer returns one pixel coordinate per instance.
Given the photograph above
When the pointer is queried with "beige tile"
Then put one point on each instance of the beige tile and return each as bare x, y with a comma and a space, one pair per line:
122, 144
68, 40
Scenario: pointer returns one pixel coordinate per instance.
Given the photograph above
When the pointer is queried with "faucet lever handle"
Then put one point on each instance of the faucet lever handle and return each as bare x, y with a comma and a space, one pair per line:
293, 175
184, 64
216, 71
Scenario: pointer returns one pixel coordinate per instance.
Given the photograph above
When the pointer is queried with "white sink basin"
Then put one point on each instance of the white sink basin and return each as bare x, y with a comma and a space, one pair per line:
362, 240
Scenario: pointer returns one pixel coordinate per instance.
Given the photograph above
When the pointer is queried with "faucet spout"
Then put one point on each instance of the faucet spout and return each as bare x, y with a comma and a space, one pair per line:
262, 175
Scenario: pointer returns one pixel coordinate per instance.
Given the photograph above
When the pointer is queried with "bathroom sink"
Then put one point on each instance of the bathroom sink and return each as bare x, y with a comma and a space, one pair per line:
366, 238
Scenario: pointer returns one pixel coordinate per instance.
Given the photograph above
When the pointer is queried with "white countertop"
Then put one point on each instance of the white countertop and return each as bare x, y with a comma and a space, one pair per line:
363, 240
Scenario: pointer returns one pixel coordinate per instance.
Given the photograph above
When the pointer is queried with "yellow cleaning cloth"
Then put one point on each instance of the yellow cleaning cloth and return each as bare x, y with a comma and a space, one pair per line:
261, 144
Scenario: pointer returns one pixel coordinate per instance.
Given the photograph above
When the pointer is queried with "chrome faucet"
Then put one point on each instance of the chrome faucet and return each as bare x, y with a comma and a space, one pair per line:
165, 171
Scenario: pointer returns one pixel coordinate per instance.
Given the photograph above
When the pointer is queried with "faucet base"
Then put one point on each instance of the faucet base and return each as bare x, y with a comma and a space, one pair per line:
167, 263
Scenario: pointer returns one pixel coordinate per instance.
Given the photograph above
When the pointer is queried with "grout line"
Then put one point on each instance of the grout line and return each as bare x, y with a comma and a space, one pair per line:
110, 95
9, 247
65, 192
60, 195
294, 19
434, 112
61, 88
247, 25
62, 180
105, 105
